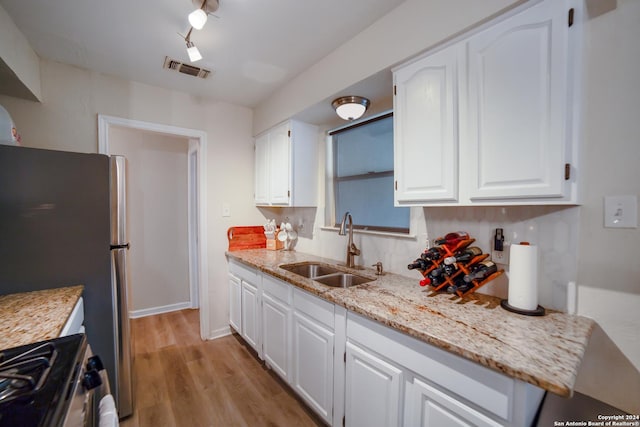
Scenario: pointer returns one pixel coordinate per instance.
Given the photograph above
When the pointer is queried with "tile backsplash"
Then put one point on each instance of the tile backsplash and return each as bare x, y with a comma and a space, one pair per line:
554, 229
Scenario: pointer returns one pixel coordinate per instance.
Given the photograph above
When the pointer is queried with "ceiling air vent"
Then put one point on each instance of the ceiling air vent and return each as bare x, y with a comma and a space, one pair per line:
172, 64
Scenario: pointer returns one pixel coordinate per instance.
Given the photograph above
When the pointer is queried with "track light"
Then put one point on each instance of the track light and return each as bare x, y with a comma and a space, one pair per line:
193, 52
198, 18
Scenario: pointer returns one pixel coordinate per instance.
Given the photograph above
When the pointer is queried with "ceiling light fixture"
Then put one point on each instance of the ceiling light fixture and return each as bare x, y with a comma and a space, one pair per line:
197, 19
350, 107
192, 50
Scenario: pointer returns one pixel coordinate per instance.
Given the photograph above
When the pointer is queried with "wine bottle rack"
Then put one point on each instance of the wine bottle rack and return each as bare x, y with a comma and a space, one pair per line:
464, 268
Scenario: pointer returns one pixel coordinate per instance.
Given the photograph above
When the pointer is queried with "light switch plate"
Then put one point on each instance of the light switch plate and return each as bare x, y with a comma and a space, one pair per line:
226, 210
621, 212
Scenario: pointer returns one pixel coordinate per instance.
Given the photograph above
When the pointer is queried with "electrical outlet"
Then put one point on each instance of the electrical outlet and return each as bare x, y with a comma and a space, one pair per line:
501, 257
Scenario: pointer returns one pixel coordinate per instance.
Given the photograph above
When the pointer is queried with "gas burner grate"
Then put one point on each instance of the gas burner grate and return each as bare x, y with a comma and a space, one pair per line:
25, 373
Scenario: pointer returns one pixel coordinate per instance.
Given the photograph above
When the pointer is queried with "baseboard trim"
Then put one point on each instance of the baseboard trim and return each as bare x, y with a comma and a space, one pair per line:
134, 314
219, 333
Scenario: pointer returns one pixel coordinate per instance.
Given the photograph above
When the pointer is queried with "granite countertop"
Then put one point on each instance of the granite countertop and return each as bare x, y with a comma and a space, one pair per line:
29, 317
545, 351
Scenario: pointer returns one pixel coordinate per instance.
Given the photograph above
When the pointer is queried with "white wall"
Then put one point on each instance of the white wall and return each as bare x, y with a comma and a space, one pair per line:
409, 29
607, 261
21, 77
67, 120
157, 218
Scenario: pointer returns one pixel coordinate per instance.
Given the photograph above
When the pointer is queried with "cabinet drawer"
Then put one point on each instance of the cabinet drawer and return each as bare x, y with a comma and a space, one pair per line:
314, 307
243, 272
277, 289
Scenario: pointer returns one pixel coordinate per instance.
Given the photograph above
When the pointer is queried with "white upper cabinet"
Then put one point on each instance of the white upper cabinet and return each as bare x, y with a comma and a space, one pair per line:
426, 128
489, 119
518, 105
286, 165
262, 168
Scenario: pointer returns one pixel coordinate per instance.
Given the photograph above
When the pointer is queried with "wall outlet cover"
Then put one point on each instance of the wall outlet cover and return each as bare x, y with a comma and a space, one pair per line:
501, 257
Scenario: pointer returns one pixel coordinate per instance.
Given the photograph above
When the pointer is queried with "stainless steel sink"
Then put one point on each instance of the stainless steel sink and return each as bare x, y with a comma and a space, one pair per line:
309, 270
326, 274
342, 280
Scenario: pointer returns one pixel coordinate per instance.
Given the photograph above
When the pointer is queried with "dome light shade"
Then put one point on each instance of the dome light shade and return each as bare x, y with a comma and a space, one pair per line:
198, 18
350, 107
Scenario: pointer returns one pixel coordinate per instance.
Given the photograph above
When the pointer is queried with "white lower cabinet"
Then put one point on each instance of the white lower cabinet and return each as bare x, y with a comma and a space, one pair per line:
250, 315
235, 303
437, 388
276, 326
313, 344
426, 406
245, 315
354, 371
373, 390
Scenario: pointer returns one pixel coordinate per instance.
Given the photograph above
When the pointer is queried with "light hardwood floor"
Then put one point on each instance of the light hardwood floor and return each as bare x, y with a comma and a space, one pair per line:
183, 381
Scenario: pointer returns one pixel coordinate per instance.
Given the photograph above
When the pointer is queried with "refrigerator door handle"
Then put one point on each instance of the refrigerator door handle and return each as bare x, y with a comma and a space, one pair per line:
124, 354
118, 200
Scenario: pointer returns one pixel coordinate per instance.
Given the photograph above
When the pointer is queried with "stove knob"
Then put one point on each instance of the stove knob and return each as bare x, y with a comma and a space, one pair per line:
94, 362
91, 379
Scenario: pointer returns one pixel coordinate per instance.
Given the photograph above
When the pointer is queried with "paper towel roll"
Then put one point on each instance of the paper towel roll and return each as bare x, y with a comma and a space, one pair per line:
523, 276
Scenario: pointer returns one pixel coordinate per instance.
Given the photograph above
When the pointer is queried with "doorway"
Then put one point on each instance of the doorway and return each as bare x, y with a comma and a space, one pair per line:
196, 174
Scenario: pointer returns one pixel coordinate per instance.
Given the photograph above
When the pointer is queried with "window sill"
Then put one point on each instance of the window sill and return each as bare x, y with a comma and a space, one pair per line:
376, 233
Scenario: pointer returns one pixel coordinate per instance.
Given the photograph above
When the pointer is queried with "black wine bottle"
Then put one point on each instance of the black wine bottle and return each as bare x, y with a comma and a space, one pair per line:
419, 264
480, 271
433, 254
464, 255
459, 286
434, 277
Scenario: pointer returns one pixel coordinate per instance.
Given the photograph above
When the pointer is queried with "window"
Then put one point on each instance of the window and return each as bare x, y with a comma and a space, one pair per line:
363, 176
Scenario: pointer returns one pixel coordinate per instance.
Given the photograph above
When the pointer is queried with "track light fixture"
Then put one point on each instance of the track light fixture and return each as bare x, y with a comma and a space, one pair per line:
197, 19
192, 50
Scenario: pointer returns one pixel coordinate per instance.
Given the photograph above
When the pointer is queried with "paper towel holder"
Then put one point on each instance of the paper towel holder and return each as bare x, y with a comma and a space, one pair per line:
539, 311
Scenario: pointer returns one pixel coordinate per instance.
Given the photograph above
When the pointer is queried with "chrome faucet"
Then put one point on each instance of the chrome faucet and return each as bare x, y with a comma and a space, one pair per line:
352, 250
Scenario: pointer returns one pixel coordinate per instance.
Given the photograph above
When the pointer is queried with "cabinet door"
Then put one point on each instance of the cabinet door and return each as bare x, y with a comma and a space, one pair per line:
262, 180
275, 336
235, 303
250, 315
280, 154
429, 407
426, 128
517, 105
373, 390
313, 364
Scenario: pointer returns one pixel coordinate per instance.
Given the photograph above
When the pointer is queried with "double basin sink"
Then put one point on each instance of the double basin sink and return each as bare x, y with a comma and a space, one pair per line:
326, 274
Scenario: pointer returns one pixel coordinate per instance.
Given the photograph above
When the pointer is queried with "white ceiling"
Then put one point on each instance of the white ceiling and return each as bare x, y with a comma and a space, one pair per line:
252, 46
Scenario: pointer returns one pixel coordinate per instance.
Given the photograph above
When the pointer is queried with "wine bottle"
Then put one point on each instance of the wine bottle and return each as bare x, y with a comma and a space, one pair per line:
480, 271
419, 264
459, 286
433, 277
452, 239
433, 254
449, 269
464, 255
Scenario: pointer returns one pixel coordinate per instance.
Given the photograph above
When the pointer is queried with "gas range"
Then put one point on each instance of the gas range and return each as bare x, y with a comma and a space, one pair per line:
52, 383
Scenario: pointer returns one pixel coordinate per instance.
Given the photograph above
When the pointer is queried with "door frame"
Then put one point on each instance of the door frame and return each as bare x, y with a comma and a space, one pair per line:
196, 199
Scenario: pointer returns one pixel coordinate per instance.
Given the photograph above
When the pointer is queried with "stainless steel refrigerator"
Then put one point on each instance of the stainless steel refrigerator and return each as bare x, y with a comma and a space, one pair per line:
62, 223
